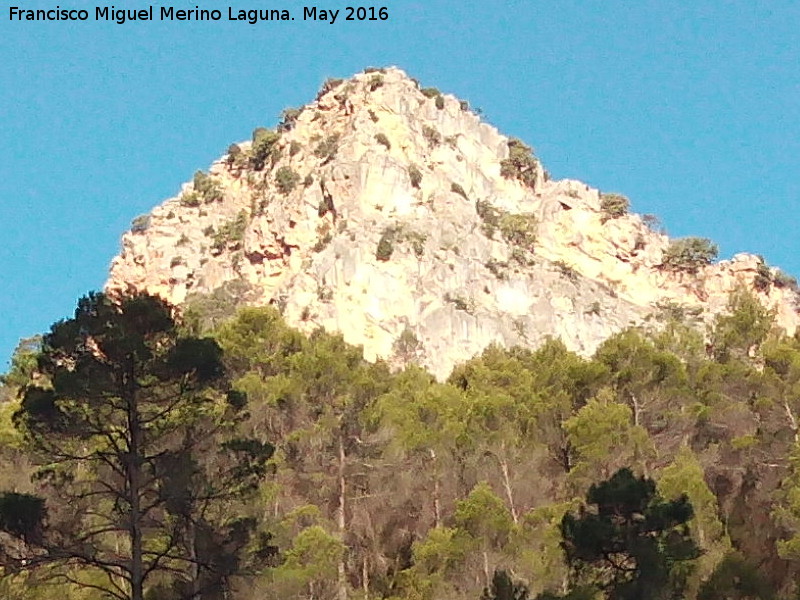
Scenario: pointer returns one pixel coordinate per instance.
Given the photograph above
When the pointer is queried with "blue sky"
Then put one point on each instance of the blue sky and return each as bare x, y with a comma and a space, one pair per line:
690, 109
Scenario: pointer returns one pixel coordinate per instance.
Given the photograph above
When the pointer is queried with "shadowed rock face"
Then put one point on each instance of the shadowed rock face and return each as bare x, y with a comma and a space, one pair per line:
401, 221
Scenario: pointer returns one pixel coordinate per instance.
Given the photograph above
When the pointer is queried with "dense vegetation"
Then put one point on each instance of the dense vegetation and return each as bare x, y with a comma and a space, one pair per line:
149, 459
521, 164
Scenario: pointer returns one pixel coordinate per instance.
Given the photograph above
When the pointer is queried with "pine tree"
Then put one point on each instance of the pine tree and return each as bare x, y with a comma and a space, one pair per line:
127, 421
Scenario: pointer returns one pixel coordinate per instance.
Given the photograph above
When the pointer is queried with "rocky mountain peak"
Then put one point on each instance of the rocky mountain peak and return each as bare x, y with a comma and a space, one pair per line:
392, 214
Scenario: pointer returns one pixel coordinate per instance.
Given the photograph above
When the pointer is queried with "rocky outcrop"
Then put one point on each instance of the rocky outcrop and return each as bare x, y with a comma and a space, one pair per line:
388, 213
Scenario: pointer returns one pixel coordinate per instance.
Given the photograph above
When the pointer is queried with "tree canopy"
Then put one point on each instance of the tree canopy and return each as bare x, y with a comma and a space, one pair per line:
222, 455
120, 424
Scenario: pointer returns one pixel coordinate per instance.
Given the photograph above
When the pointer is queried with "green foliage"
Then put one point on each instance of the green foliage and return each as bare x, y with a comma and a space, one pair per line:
422, 415
483, 516
326, 206
567, 271
383, 140
677, 313
23, 363
689, 254
386, 244
39, 586
439, 554
497, 268
327, 148
207, 187
763, 279
311, 561
787, 512
736, 579
286, 179
782, 360
489, 215
603, 438
614, 206
631, 543
460, 302
576, 593
191, 199
431, 135
521, 164
375, 82
521, 257
230, 234
406, 346
289, 117
539, 392
741, 331
10, 437
649, 380
264, 145
324, 237
685, 477
419, 412
431, 92
22, 516
128, 406
396, 485
537, 545
518, 229
503, 588
258, 339
204, 312
783, 280
417, 241
237, 158
398, 234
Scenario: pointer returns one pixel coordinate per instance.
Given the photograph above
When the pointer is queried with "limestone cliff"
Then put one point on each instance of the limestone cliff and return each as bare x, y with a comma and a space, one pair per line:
389, 212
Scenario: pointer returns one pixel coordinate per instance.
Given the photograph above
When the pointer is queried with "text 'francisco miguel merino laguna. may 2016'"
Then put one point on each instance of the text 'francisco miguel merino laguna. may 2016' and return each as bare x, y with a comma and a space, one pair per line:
121, 16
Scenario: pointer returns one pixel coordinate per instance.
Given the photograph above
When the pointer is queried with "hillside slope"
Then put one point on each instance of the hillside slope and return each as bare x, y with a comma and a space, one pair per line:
394, 215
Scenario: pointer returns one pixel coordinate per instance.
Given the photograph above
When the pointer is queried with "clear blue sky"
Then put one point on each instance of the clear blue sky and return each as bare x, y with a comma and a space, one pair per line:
690, 109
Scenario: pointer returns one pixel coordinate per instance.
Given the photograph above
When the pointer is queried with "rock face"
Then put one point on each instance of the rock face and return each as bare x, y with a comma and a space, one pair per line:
387, 213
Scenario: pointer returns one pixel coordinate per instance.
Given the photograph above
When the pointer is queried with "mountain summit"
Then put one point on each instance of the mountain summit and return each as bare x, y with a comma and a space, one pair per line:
392, 214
